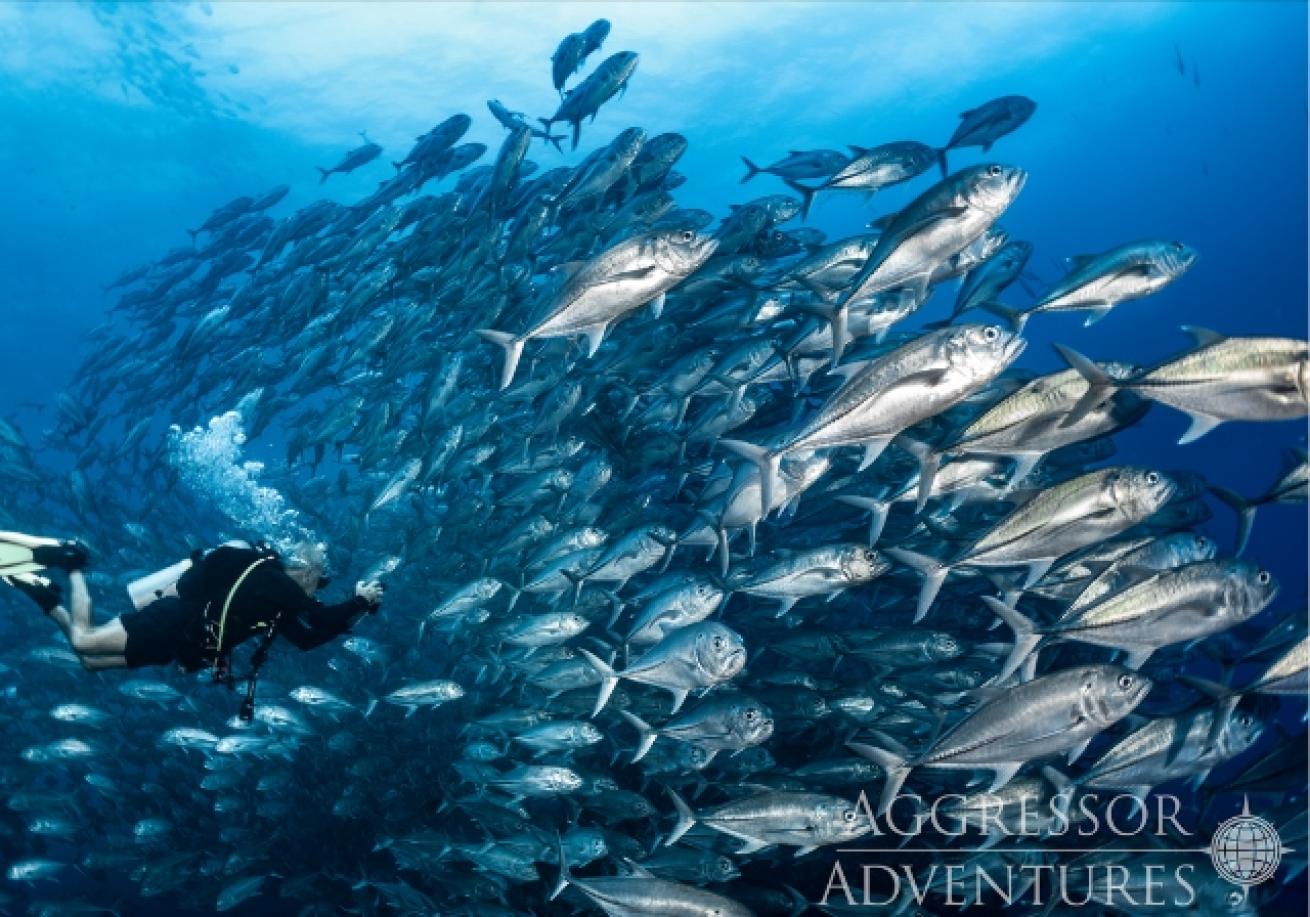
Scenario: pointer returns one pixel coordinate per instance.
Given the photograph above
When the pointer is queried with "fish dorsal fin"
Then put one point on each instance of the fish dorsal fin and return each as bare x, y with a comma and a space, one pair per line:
1203, 337
857, 150
967, 112
1078, 262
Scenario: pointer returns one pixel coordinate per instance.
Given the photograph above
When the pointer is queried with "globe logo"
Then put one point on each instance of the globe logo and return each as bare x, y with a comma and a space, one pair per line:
1246, 849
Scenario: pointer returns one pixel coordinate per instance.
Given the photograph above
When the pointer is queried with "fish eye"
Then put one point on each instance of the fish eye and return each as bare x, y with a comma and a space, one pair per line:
1263, 577
991, 332
686, 235
993, 170
750, 714
718, 643
850, 817
1126, 682
1235, 898
1152, 478
1178, 246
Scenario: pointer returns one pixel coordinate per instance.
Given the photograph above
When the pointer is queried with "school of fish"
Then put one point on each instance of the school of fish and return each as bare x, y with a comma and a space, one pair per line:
706, 538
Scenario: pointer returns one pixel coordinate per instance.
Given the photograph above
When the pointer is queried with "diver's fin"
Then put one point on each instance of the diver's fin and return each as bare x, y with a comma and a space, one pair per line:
21, 553
38, 588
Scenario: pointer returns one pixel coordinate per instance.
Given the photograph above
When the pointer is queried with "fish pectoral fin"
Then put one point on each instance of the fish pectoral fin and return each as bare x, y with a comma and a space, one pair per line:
848, 371
639, 274
568, 269
1143, 271
946, 213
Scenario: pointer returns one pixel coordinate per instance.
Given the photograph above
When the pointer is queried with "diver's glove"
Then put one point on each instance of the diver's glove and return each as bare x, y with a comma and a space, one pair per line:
39, 589
67, 555
370, 593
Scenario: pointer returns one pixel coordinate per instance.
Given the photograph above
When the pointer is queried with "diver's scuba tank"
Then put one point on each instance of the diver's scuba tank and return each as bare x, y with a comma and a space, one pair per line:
155, 586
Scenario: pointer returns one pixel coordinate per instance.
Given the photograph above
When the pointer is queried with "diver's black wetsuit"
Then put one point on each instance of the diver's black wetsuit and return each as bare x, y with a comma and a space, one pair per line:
175, 629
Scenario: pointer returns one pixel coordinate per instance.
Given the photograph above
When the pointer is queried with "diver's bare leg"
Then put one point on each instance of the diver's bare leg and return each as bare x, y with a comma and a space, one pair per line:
109, 639
59, 614
81, 601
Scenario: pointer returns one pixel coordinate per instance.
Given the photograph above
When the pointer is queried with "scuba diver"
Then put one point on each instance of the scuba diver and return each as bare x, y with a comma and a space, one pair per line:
195, 612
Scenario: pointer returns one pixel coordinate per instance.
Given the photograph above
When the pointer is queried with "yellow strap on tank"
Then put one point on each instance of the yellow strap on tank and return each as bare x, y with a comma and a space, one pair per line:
227, 603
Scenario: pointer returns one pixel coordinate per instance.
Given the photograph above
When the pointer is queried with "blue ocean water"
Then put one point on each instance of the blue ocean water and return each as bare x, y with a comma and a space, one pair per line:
124, 125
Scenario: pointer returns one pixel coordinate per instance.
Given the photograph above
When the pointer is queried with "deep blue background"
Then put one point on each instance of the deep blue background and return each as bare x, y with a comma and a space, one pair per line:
113, 142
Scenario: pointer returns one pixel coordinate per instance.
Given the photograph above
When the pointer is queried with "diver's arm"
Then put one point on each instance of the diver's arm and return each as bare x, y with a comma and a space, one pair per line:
310, 623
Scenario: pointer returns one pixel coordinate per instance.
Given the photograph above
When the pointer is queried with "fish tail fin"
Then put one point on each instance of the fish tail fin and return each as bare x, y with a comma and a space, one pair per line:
513, 348
934, 574
1025, 638
686, 819
807, 194
323, 174
1099, 384
1245, 510
751, 170
609, 679
647, 735
1017, 319
767, 462
554, 140
564, 876
894, 766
